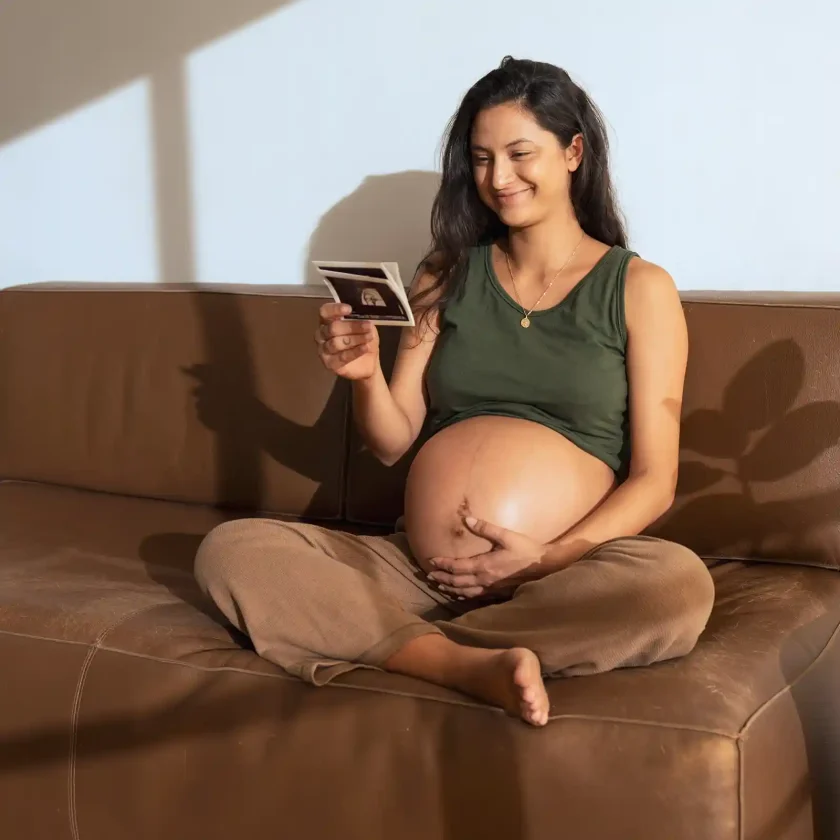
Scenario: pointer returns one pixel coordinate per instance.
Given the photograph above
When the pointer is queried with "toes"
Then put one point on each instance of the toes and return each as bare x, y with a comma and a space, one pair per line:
535, 717
533, 710
536, 709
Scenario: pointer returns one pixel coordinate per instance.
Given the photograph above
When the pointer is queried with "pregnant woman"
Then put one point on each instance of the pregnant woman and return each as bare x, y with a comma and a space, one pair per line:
547, 362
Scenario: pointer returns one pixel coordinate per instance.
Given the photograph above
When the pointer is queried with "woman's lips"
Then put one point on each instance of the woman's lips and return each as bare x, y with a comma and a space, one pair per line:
513, 197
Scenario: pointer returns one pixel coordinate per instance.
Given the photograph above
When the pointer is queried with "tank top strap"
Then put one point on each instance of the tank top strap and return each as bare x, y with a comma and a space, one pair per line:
599, 299
472, 291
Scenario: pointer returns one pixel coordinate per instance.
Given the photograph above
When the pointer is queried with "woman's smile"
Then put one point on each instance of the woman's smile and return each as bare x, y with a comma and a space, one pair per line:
509, 198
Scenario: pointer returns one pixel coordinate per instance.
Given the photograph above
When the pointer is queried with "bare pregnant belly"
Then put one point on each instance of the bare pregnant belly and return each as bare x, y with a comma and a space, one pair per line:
511, 472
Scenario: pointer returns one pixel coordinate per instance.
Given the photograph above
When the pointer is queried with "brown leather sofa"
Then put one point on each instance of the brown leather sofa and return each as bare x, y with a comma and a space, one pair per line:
132, 420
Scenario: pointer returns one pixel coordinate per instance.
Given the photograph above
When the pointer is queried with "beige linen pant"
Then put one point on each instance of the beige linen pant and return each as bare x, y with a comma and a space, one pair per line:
319, 602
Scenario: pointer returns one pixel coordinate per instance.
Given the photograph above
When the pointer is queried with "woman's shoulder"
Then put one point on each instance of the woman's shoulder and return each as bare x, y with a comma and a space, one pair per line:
648, 289
644, 276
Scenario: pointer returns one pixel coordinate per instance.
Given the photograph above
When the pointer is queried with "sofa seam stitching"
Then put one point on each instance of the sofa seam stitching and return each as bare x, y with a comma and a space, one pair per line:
790, 685
76, 709
291, 678
191, 504
285, 677
391, 692
760, 711
739, 745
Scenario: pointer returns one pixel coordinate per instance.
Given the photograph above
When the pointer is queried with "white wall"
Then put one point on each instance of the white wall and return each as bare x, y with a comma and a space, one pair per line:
313, 128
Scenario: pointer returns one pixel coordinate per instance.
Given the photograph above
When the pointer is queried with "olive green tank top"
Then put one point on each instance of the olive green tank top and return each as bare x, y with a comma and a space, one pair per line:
566, 371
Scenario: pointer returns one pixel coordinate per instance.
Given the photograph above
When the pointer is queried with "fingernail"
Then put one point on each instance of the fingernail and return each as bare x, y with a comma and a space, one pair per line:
470, 520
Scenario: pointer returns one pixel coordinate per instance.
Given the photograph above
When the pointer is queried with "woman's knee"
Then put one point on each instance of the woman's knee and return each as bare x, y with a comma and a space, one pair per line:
230, 549
215, 557
684, 590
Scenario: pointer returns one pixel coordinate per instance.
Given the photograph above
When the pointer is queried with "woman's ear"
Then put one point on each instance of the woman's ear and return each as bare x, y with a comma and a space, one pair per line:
574, 153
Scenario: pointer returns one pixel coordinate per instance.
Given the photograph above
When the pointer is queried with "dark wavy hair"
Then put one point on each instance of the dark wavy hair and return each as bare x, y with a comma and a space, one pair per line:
460, 220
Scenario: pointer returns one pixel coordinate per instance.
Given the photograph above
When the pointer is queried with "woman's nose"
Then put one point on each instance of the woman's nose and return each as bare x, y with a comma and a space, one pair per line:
502, 174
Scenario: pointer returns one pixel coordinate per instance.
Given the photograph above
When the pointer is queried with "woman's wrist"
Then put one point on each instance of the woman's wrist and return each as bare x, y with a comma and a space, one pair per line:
560, 554
366, 383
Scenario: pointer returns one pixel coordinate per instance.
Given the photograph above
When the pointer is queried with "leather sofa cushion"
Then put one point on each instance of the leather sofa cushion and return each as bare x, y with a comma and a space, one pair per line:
125, 680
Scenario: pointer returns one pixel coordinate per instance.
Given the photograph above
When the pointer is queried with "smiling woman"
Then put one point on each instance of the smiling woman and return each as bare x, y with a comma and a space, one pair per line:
508, 176
553, 406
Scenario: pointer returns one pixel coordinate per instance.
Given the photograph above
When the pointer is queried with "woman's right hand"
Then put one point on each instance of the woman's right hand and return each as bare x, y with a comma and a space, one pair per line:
348, 348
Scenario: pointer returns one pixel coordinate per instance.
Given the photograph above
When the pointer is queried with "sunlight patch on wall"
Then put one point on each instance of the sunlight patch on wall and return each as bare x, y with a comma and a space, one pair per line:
77, 196
306, 131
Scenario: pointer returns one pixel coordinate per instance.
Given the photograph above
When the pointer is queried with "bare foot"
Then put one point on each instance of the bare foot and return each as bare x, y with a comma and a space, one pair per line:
508, 678
511, 679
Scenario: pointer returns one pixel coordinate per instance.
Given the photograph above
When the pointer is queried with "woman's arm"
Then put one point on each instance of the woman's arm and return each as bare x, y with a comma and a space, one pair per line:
389, 418
657, 350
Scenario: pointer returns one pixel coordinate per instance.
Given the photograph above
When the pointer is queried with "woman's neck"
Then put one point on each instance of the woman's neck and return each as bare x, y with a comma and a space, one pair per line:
542, 249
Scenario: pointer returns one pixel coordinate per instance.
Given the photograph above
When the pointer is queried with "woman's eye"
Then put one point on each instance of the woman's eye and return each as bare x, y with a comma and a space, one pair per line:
480, 161
519, 155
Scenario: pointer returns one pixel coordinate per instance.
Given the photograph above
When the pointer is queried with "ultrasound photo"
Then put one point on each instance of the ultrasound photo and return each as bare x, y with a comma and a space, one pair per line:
374, 291
370, 299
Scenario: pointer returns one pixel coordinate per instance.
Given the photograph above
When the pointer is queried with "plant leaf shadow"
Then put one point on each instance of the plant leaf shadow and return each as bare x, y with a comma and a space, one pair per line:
737, 461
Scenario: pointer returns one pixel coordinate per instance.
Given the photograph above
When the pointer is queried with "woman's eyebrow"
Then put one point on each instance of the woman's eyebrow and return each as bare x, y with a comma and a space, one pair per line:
476, 148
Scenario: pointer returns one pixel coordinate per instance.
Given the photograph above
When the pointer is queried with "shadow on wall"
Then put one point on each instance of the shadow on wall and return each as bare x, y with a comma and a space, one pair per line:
736, 461
385, 219
368, 224
57, 56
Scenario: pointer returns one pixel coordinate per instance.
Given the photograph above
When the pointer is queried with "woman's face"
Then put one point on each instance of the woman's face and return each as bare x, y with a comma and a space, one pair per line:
522, 172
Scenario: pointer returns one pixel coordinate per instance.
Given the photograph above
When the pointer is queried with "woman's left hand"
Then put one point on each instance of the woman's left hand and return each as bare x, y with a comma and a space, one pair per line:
513, 560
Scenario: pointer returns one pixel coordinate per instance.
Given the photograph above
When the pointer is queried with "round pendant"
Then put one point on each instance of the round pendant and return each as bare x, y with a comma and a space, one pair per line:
526, 322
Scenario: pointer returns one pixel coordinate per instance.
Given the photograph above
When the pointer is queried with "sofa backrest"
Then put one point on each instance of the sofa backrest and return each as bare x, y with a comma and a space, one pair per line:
216, 396
760, 443
189, 394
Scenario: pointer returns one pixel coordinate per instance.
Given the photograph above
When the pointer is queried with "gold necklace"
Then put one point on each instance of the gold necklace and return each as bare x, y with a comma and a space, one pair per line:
526, 321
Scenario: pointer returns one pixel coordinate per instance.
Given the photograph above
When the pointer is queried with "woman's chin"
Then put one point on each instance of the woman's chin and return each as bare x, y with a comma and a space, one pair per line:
515, 217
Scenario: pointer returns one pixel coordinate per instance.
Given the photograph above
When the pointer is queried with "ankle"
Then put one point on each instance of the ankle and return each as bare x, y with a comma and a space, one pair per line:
437, 659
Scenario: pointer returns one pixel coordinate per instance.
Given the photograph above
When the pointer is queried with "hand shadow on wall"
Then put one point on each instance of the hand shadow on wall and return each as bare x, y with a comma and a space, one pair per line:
755, 439
386, 218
